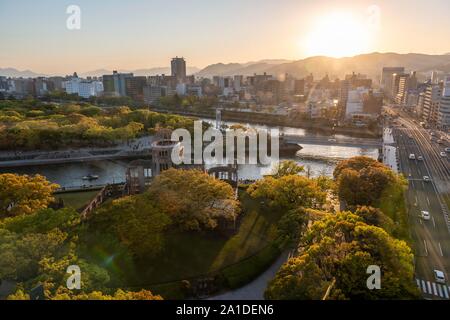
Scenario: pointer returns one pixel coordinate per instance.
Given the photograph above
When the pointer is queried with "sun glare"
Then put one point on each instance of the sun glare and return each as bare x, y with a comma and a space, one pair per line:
338, 35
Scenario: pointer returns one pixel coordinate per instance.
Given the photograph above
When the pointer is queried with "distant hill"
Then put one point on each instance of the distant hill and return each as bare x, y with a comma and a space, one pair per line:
138, 72
221, 69
370, 64
14, 73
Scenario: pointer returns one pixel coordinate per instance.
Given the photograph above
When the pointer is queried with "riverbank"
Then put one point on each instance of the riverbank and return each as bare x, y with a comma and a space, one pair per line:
275, 120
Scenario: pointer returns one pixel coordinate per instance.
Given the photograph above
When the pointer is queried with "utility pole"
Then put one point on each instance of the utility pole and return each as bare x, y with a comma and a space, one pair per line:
327, 293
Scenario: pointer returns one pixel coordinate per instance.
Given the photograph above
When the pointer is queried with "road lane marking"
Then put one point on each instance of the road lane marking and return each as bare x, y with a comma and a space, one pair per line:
428, 200
426, 249
445, 292
434, 289
440, 291
418, 283
429, 286
434, 222
440, 249
424, 288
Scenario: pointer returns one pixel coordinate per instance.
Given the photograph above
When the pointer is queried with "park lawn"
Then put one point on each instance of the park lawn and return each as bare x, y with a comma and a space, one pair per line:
191, 254
77, 200
187, 255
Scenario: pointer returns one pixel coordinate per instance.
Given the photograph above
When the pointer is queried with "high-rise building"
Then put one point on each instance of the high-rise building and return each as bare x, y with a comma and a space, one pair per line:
431, 100
115, 84
443, 114
135, 87
386, 78
434, 77
401, 85
153, 93
420, 104
178, 67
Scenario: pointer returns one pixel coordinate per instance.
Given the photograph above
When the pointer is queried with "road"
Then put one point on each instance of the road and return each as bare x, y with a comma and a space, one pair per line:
431, 238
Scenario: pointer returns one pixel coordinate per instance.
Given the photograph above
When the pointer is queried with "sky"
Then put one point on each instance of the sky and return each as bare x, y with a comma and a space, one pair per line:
134, 34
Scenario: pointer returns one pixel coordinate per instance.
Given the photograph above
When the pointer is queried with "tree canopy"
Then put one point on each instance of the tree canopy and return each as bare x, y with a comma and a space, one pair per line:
22, 194
340, 248
362, 180
193, 199
289, 192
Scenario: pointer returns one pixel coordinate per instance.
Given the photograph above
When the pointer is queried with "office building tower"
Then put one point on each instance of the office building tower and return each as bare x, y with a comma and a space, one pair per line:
115, 84
178, 67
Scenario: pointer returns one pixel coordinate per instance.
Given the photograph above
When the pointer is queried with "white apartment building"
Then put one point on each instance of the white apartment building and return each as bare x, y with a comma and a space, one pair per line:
355, 103
83, 88
443, 114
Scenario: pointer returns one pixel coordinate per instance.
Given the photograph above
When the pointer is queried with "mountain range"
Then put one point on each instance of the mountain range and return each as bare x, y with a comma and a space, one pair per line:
369, 64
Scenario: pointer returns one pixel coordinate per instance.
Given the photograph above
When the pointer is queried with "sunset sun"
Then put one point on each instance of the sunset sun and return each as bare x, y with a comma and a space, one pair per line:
337, 35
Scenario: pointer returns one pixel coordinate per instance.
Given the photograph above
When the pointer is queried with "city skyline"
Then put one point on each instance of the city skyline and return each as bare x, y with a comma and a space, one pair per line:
142, 34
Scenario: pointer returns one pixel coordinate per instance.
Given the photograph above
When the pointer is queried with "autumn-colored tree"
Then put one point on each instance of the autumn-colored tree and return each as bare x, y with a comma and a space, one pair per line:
362, 180
135, 221
20, 254
375, 217
193, 199
22, 194
65, 294
287, 168
338, 249
289, 192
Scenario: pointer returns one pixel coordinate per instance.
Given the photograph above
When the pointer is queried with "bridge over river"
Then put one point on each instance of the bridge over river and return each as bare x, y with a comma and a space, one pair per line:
366, 143
142, 149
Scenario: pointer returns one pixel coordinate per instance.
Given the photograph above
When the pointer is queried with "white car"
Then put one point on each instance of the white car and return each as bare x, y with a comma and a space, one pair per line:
447, 149
426, 178
439, 276
412, 156
420, 158
425, 215
443, 154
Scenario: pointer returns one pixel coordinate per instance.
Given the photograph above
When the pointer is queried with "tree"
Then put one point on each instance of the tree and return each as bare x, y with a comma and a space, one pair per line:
193, 199
20, 254
22, 194
375, 217
134, 221
361, 180
65, 294
340, 248
287, 168
289, 192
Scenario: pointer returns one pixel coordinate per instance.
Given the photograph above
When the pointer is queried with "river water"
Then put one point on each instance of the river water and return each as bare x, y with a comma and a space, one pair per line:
320, 160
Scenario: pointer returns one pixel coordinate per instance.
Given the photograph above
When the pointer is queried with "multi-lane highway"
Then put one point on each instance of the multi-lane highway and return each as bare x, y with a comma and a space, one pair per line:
431, 237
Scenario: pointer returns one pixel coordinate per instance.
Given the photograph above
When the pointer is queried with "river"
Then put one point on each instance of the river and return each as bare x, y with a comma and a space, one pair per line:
320, 160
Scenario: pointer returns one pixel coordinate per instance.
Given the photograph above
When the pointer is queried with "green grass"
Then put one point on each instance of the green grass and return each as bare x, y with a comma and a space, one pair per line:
447, 200
78, 199
236, 259
392, 203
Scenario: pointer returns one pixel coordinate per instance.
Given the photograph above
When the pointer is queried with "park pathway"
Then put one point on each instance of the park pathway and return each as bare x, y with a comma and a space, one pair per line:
255, 289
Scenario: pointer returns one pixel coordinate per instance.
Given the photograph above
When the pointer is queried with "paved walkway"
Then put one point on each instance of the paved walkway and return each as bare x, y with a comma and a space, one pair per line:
390, 157
255, 289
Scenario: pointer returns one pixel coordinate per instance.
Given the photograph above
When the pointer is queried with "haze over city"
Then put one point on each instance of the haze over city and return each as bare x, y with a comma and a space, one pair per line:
142, 34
